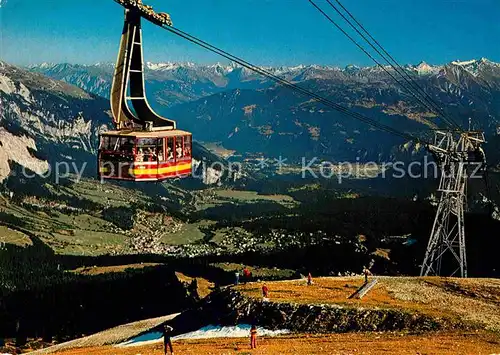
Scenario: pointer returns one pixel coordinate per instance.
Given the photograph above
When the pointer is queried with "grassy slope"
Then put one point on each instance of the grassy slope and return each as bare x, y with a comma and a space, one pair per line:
468, 300
85, 231
204, 288
10, 236
82, 232
98, 270
258, 272
475, 301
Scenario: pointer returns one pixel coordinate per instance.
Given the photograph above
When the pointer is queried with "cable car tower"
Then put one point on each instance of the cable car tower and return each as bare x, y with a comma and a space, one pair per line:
459, 154
456, 151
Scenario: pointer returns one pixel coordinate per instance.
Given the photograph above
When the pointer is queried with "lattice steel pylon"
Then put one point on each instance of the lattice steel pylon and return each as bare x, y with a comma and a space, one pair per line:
459, 155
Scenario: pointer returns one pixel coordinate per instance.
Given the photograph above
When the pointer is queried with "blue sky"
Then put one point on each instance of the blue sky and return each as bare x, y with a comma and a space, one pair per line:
265, 32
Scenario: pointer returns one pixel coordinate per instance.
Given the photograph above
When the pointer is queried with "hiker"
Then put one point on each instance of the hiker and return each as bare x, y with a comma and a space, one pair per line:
367, 273
265, 291
236, 278
167, 341
309, 280
246, 274
253, 337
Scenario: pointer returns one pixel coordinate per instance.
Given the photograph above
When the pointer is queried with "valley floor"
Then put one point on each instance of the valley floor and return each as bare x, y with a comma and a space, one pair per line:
353, 343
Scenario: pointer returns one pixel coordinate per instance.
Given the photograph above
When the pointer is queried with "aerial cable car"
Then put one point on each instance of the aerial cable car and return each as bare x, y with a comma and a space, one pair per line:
144, 146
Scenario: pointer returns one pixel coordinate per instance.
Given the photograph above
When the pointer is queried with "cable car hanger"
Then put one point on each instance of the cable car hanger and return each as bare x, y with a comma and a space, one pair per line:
128, 80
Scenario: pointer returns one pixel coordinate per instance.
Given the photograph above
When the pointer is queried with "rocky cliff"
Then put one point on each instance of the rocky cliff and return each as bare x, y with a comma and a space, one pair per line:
230, 307
46, 121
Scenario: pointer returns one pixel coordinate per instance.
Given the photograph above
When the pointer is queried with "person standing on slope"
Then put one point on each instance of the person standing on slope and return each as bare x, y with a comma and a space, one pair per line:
167, 339
265, 291
246, 274
309, 280
367, 273
253, 337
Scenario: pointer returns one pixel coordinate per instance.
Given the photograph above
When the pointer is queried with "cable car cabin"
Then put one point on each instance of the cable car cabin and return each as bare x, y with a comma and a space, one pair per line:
145, 156
145, 146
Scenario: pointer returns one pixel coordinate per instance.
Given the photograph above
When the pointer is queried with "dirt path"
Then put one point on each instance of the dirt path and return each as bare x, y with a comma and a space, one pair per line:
356, 343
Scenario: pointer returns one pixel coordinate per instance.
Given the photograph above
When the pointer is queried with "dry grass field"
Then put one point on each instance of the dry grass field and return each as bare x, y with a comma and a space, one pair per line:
204, 286
472, 300
353, 343
98, 270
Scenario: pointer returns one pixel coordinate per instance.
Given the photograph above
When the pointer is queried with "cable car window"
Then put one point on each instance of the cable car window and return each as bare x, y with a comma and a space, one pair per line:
187, 146
146, 142
146, 148
126, 145
113, 143
159, 149
104, 143
170, 148
179, 151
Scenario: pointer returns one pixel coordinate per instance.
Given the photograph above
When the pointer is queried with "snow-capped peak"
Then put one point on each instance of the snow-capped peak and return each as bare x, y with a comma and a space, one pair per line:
424, 68
297, 67
351, 67
423, 65
45, 65
464, 63
162, 66
223, 69
474, 66
484, 60
101, 64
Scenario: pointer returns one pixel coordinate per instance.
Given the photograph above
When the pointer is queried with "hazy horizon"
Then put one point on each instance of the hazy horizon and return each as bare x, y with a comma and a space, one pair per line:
227, 63
267, 32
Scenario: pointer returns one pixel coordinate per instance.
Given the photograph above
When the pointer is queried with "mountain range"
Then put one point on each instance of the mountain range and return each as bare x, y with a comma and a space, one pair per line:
244, 112
182, 82
250, 114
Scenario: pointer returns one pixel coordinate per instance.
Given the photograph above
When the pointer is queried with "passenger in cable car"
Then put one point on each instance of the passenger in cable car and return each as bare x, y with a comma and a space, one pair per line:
178, 150
140, 155
150, 155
